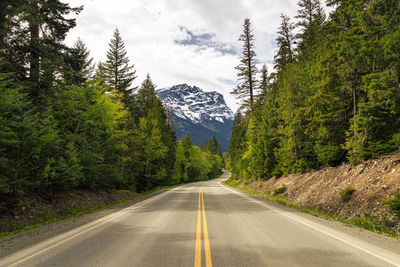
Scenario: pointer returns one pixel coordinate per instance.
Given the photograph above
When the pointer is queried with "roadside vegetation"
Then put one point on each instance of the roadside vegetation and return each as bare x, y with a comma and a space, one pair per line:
69, 124
331, 99
345, 194
332, 96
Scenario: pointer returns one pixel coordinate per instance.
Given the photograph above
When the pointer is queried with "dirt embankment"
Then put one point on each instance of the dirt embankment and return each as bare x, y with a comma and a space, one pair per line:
25, 210
373, 181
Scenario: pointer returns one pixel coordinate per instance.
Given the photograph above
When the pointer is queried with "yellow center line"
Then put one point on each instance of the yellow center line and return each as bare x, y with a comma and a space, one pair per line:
197, 258
207, 250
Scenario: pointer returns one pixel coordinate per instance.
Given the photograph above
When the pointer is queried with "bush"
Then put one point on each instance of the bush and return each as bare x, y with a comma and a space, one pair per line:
345, 194
280, 190
393, 204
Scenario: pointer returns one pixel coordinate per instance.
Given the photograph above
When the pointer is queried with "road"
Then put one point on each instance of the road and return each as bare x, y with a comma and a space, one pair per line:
206, 224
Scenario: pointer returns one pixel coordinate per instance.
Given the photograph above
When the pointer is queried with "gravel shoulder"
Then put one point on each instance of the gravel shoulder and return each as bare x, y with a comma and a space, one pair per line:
11, 244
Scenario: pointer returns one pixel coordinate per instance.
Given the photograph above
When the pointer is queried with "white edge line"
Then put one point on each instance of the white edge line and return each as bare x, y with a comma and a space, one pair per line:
394, 258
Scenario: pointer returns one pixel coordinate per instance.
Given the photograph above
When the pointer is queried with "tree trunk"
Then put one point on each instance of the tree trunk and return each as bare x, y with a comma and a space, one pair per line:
34, 68
250, 71
353, 85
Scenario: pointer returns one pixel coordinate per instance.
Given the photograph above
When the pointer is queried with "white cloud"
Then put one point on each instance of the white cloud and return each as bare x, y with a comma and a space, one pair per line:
150, 29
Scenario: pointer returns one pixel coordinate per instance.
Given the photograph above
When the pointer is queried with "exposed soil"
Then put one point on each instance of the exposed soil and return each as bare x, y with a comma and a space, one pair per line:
373, 181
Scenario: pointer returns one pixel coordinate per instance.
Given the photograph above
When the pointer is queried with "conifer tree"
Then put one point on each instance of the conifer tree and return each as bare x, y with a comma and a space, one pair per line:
285, 40
79, 65
311, 16
119, 74
247, 69
34, 43
264, 80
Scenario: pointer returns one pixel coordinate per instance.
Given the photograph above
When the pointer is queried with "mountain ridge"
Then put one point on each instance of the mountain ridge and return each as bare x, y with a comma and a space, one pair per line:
200, 114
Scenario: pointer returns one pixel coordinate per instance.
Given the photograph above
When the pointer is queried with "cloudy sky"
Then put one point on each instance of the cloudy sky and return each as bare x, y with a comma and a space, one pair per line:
182, 41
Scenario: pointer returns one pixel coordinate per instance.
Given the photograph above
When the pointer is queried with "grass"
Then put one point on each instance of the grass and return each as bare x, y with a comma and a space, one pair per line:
280, 190
393, 204
46, 216
345, 194
369, 222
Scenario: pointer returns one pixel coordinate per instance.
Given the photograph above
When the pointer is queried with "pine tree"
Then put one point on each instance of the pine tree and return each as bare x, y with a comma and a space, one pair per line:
149, 106
285, 42
311, 16
237, 143
264, 81
100, 72
119, 74
247, 69
34, 43
79, 65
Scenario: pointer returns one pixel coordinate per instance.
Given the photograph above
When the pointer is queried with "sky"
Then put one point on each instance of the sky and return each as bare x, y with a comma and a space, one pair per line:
182, 41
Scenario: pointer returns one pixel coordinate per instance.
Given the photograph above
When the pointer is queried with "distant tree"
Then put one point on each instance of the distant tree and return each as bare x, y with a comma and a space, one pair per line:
212, 146
264, 80
100, 72
247, 69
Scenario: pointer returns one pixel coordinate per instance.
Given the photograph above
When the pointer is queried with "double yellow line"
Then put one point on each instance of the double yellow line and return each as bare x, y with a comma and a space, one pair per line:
207, 251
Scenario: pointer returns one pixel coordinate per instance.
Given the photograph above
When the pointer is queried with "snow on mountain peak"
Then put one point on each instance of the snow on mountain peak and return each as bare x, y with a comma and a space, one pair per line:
190, 102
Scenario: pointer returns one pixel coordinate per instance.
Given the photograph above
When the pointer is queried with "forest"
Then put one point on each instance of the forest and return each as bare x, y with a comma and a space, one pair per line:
67, 123
333, 95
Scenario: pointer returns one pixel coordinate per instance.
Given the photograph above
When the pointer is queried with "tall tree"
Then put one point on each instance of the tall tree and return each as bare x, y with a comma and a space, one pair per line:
247, 69
119, 74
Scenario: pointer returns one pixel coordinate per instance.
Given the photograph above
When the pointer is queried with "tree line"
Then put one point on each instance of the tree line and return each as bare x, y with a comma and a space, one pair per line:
332, 97
66, 123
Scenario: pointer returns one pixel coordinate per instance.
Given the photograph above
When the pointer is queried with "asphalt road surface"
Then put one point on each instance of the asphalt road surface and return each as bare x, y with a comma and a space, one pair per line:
205, 224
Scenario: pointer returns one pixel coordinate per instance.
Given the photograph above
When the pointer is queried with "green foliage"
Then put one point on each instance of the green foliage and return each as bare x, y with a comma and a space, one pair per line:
393, 204
212, 146
280, 190
61, 129
345, 194
193, 164
334, 96
79, 66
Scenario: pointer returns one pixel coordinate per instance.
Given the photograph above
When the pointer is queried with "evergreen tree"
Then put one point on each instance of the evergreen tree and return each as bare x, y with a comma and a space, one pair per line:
33, 44
237, 143
311, 16
150, 107
119, 74
212, 146
79, 66
285, 42
247, 69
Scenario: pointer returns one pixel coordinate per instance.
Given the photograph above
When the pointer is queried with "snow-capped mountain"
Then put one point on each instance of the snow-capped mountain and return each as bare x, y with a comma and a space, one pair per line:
200, 114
